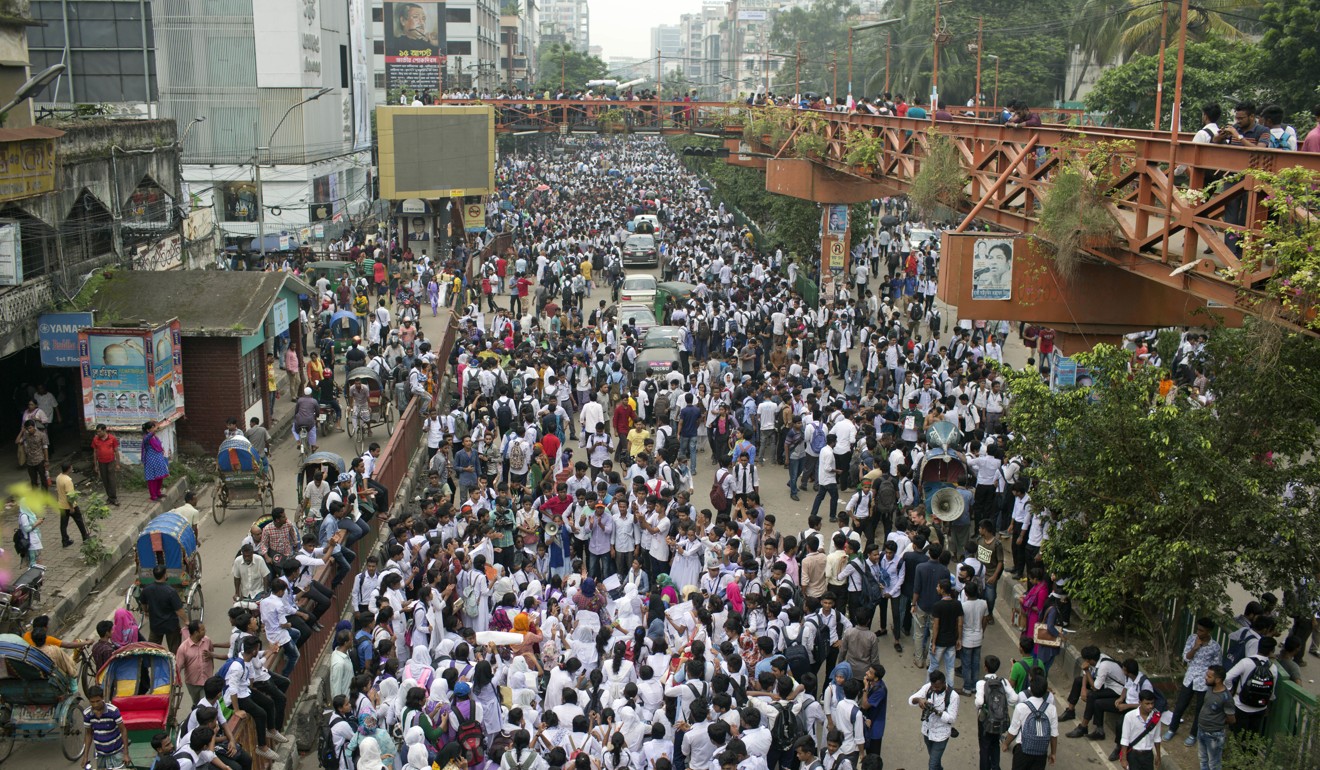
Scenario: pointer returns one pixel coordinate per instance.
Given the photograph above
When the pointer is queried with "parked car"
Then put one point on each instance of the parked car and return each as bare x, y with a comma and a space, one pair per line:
663, 337
639, 288
640, 316
641, 250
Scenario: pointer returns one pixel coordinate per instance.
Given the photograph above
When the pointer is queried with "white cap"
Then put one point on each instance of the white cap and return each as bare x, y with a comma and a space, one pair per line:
307, 391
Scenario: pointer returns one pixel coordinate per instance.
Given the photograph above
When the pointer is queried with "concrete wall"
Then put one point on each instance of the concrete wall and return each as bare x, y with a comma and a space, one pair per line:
212, 390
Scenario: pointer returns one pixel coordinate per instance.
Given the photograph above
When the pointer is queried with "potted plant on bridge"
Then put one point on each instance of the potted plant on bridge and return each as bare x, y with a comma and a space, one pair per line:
1074, 214
864, 150
613, 121
809, 141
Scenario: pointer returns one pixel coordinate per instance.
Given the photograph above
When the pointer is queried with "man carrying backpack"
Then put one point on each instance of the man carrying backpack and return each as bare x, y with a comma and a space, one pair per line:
1033, 734
994, 706
1252, 681
336, 732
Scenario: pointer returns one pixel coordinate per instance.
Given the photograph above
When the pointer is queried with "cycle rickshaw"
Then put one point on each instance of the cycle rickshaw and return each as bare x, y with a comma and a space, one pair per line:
37, 700
330, 465
168, 541
380, 407
141, 680
243, 476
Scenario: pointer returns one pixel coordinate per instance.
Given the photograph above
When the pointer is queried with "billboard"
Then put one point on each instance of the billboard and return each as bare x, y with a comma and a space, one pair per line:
130, 376
992, 269
360, 66
27, 168
414, 46
288, 38
58, 337
436, 152
11, 253
837, 224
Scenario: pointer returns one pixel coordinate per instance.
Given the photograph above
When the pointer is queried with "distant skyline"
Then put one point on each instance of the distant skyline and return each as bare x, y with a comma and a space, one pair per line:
623, 27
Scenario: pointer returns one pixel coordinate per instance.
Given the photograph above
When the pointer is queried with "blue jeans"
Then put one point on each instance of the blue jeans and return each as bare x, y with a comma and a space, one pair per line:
687, 447
290, 650
356, 530
991, 593
936, 750
1210, 747
794, 470
971, 666
943, 657
599, 565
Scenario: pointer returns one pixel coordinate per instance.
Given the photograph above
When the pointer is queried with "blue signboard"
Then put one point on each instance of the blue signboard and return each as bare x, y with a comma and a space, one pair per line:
58, 335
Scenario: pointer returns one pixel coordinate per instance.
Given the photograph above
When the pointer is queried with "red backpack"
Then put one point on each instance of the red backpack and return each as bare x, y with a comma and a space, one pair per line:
471, 736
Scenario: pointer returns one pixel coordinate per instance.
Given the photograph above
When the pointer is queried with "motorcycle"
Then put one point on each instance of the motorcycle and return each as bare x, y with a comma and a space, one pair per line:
19, 598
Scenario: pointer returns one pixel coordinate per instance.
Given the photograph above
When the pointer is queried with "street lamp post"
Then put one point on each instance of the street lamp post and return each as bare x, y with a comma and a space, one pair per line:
31, 88
261, 193
980, 27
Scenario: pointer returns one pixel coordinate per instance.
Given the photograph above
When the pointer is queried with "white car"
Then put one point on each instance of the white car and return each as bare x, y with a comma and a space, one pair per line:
650, 219
638, 287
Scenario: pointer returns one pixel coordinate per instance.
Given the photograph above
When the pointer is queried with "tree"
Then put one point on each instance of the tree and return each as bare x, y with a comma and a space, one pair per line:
1160, 503
1220, 72
1291, 71
822, 30
1141, 29
561, 62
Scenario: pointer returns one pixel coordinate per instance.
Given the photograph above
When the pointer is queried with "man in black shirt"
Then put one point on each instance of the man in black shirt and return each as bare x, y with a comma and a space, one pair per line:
946, 619
911, 560
164, 611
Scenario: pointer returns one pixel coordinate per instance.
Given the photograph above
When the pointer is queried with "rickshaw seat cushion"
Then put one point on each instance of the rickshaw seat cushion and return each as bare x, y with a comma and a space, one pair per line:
140, 712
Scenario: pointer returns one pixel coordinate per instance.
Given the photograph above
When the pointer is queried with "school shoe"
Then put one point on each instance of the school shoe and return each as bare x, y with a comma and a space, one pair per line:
1068, 714
1190, 741
1113, 755
277, 736
266, 753
1168, 736
1097, 735
1077, 732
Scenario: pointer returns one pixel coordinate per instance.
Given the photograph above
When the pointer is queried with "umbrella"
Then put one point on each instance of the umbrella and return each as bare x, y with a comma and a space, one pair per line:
542, 187
888, 220
703, 187
676, 288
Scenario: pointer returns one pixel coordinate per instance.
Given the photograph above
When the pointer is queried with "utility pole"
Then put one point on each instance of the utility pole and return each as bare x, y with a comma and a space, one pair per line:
889, 47
980, 27
1159, 75
1175, 114
935, 70
797, 73
767, 73
834, 67
850, 34
659, 73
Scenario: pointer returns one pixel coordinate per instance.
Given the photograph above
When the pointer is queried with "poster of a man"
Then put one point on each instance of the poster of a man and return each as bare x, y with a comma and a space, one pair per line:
838, 221
413, 30
992, 269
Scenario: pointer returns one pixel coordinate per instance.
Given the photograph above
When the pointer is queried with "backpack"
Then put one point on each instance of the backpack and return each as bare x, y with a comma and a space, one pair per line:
1281, 141
326, 753
795, 653
661, 403
516, 384
871, 591
1237, 647
994, 714
787, 729
1035, 735
461, 430
1255, 691
669, 452
471, 736
471, 598
1161, 702
504, 414
718, 499
22, 543
817, 437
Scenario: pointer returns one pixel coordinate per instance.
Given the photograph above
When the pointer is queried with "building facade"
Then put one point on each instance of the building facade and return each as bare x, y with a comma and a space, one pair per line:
108, 48
566, 21
286, 83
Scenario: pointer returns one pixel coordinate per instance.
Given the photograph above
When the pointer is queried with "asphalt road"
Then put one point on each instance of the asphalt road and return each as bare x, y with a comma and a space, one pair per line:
903, 747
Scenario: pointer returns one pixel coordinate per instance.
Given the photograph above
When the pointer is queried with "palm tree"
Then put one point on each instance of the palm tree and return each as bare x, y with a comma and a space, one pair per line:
1098, 29
1141, 33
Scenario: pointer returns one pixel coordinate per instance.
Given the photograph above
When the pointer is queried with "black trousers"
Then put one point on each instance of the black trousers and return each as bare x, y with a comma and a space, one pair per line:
76, 515
258, 707
274, 689
1024, 761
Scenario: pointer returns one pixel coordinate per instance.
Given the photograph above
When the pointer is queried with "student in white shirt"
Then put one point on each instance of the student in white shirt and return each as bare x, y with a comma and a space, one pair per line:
939, 710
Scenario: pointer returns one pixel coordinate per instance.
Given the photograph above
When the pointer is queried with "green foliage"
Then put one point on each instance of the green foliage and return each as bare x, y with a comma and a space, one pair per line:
1157, 500
1292, 39
788, 223
863, 148
1221, 72
1287, 242
941, 180
822, 29
575, 67
1074, 211
94, 510
808, 144
1294, 750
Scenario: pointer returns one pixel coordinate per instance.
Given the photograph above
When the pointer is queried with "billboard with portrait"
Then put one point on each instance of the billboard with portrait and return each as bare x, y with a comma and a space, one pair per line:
837, 223
992, 269
130, 376
414, 46
236, 201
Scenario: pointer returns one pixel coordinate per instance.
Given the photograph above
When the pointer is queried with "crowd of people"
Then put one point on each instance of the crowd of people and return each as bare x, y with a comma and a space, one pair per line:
590, 577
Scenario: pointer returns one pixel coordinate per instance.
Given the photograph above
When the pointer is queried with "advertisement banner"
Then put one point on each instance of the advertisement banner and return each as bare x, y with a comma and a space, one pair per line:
992, 269
130, 376
11, 254
27, 168
838, 220
359, 55
414, 46
58, 335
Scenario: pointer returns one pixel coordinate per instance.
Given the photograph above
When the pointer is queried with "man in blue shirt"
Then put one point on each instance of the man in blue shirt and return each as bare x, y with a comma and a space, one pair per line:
467, 464
689, 421
328, 540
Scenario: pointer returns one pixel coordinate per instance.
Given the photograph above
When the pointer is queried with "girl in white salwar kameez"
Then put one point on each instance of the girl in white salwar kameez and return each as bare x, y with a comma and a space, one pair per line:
476, 595
618, 672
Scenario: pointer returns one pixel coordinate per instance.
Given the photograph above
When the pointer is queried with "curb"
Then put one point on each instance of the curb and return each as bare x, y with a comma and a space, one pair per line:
1069, 660
80, 589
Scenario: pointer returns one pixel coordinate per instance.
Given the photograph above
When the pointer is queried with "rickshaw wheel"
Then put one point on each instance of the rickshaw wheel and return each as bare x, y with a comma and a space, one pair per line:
262, 493
389, 418
6, 734
349, 424
71, 732
194, 604
218, 502
86, 674
359, 441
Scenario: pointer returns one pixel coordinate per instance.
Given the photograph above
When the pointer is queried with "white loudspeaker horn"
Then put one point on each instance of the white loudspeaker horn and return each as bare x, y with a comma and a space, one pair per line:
947, 504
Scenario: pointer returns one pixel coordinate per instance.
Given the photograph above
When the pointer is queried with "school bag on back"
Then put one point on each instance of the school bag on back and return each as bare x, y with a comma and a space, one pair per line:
1256, 690
817, 437
1035, 736
471, 737
795, 653
327, 755
995, 714
787, 729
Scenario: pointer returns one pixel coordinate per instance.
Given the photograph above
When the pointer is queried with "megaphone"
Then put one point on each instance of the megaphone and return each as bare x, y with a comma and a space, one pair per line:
947, 504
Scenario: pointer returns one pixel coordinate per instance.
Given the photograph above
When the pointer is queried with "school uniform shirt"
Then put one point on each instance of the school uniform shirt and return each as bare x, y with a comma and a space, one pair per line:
1134, 724
849, 721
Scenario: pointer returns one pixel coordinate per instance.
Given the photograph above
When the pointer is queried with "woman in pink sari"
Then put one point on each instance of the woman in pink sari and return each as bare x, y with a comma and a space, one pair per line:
1033, 601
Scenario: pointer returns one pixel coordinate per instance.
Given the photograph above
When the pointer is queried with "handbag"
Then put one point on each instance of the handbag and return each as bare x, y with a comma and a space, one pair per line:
1041, 635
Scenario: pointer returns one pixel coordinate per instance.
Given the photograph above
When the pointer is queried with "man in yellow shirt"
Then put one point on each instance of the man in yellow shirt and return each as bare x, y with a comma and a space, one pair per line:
637, 437
585, 269
68, 508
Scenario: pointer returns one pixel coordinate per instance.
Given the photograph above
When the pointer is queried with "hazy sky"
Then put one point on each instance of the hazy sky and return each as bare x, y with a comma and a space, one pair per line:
623, 27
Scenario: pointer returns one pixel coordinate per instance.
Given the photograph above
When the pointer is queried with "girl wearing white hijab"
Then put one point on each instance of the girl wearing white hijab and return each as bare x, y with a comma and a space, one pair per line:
418, 668
520, 756
369, 755
417, 757
388, 689
630, 725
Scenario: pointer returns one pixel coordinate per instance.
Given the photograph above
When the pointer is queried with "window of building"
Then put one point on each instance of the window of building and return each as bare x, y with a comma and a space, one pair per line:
378, 46
378, 14
459, 48
380, 79
458, 15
